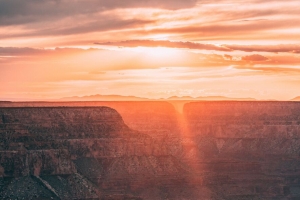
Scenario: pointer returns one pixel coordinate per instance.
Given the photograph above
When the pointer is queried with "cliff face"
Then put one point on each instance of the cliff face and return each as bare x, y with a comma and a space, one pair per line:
213, 150
256, 145
156, 118
39, 147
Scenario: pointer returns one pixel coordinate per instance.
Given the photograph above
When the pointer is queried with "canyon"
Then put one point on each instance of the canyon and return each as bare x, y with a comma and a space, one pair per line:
150, 150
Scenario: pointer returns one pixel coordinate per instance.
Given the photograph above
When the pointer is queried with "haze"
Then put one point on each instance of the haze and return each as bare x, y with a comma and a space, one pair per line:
151, 49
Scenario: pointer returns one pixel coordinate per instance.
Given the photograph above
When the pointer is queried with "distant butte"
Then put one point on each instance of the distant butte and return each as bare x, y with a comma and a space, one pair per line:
210, 98
99, 97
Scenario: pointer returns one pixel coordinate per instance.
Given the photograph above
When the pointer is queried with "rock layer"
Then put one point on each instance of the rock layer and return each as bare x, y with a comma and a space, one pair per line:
254, 144
213, 150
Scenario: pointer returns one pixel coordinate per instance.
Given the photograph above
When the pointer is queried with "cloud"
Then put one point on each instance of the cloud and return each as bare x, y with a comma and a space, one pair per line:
104, 24
166, 4
199, 46
14, 12
125, 58
27, 51
32, 18
227, 57
226, 24
199, 20
96, 26
164, 43
255, 58
13, 51
283, 48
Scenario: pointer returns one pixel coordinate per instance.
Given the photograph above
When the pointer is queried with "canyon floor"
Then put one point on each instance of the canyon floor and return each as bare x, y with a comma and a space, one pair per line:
210, 150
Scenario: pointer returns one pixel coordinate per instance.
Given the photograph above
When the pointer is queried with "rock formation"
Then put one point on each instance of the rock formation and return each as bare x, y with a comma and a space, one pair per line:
148, 150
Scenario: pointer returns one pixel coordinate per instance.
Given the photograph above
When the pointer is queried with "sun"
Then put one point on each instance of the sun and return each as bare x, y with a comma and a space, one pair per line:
157, 52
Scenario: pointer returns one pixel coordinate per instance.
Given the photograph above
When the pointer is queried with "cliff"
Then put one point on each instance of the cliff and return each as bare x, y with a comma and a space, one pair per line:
148, 150
255, 145
154, 117
40, 146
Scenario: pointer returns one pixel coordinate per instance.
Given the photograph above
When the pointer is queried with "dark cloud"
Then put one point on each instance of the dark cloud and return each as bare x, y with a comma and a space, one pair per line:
287, 48
13, 51
100, 25
62, 17
104, 24
164, 43
67, 17
255, 58
26, 51
166, 4
14, 12
227, 57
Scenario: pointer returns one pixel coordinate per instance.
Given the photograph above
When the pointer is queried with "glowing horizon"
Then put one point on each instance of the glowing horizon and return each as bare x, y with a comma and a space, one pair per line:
153, 49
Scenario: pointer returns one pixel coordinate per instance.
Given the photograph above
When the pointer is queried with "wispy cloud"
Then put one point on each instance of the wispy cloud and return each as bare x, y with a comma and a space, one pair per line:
287, 48
255, 58
165, 43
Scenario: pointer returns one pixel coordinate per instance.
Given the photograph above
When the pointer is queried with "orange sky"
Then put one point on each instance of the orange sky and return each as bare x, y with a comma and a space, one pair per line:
156, 49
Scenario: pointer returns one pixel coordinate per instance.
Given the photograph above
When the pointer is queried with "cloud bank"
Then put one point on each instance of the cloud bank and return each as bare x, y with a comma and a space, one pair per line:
288, 48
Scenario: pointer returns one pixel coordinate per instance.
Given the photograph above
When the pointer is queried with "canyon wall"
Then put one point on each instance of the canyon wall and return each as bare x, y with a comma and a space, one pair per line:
149, 150
256, 145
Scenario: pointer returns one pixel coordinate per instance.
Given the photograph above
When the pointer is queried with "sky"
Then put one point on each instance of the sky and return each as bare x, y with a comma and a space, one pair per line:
149, 48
